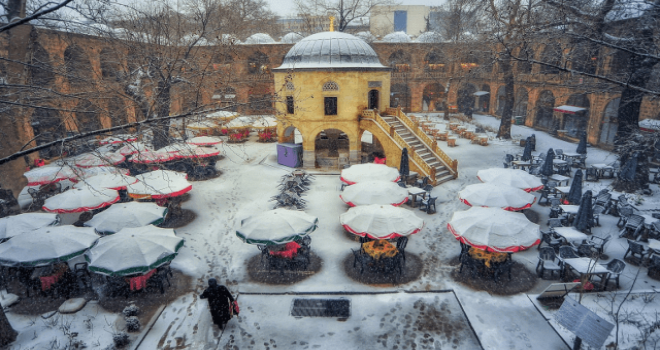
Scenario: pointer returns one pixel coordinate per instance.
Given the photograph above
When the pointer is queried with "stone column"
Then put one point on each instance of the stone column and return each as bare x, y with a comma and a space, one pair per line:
309, 159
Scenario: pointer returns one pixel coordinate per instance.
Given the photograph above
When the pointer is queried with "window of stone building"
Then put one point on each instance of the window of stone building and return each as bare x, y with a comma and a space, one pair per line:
258, 63
77, 66
552, 55
583, 59
330, 105
222, 61
41, 71
525, 67
110, 63
289, 86
289, 105
434, 62
400, 62
330, 86
47, 126
575, 123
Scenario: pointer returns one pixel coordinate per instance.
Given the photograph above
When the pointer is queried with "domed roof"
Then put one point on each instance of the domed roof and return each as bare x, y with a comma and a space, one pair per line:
259, 38
397, 37
291, 38
429, 37
366, 36
331, 50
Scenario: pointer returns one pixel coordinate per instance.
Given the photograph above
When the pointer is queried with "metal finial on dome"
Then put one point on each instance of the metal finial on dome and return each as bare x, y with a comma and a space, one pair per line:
332, 23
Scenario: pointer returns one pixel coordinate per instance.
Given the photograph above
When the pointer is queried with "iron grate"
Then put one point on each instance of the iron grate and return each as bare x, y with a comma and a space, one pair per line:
340, 308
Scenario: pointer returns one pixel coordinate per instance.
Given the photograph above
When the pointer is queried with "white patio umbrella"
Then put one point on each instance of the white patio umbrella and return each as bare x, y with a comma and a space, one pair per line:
159, 184
102, 170
118, 139
148, 157
135, 250
107, 181
380, 221
511, 177
47, 245
497, 196
374, 192
222, 115
277, 226
204, 125
123, 215
48, 174
369, 172
18, 224
204, 141
200, 152
90, 160
177, 147
264, 123
494, 229
80, 199
132, 148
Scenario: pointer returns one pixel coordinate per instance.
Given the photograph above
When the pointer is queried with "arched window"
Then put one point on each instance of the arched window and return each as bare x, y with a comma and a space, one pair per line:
551, 55
330, 86
47, 126
399, 61
525, 67
434, 62
258, 63
222, 60
582, 59
76, 65
41, 71
110, 63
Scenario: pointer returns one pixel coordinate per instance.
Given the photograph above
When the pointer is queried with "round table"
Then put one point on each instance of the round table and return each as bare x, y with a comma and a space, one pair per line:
380, 249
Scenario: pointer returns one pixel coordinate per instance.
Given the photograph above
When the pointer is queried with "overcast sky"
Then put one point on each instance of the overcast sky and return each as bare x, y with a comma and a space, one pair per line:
285, 8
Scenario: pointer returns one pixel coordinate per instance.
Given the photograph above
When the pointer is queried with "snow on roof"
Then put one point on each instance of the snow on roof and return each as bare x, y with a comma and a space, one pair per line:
568, 109
397, 37
481, 93
650, 124
628, 10
228, 39
331, 50
259, 38
366, 36
291, 38
429, 37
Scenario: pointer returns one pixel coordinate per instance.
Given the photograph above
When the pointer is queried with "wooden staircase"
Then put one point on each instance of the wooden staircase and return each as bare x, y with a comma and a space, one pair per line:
422, 149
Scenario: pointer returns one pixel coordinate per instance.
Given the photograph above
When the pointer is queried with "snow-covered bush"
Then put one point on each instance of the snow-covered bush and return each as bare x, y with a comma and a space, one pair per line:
120, 339
132, 324
131, 310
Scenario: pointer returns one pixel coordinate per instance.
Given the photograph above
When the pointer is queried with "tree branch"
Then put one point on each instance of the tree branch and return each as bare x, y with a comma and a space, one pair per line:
34, 16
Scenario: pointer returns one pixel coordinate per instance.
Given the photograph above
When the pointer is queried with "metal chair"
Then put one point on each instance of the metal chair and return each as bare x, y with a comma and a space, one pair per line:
654, 266
501, 268
567, 252
549, 236
600, 243
359, 258
401, 244
422, 182
624, 213
559, 153
633, 227
587, 250
427, 204
635, 248
597, 210
508, 159
548, 191
547, 262
555, 210
615, 267
591, 174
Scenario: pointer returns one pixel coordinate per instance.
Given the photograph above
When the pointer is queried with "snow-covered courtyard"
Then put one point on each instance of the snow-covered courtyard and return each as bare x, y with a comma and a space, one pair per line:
431, 312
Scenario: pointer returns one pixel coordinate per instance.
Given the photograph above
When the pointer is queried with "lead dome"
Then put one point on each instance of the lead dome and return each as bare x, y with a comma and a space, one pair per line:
331, 50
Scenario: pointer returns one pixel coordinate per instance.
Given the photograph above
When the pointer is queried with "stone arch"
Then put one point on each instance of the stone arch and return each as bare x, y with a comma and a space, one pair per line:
399, 60
47, 126
435, 62
520, 103
258, 63
575, 123
332, 146
390, 149
609, 124
581, 59
433, 96
544, 110
465, 97
41, 70
87, 117
525, 67
291, 134
77, 66
500, 100
371, 146
484, 100
400, 96
110, 63
551, 54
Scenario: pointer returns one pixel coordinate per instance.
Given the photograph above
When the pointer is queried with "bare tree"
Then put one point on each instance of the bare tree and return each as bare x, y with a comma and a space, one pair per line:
460, 19
344, 10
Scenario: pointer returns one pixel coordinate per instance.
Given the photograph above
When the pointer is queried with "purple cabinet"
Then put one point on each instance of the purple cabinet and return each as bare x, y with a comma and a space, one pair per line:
289, 154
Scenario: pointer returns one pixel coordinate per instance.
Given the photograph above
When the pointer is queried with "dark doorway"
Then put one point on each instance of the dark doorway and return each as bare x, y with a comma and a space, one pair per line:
373, 99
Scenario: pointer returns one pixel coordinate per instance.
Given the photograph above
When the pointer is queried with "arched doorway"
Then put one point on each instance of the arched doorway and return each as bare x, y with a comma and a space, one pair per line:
292, 135
465, 97
373, 99
371, 147
575, 123
400, 96
520, 104
484, 100
610, 124
500, 101
432, 98
544, 105
399, 61
331, 148
47, 126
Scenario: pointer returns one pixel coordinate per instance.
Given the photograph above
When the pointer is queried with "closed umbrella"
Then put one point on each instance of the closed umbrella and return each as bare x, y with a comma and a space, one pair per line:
510, 177
629, 169
91, 160
583, 220
527, 151
494, 229
575, 192
374, 192
369, 172
107, 181
123, 215
381, 221
47, 245
547, 167
276, 226
404, 166
204, 141
133, 250
18, 224
48, 174
80, 199
582, 146
497, 196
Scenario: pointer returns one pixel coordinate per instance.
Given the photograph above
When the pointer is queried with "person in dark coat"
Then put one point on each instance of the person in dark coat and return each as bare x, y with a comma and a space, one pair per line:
220, 300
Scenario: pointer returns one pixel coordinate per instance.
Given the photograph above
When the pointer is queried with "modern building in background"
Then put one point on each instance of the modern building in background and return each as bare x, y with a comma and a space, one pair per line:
411, 20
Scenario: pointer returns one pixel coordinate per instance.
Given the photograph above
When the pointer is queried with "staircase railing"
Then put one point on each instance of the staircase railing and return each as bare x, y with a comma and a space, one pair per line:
451, 164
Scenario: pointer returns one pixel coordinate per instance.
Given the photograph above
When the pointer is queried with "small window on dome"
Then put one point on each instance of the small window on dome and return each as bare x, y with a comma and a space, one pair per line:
289, 86
330, 86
